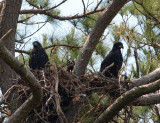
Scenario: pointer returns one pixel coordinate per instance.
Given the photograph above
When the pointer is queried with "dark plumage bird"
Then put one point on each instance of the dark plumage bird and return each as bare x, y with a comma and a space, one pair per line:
38, 57
115, 57
70, 65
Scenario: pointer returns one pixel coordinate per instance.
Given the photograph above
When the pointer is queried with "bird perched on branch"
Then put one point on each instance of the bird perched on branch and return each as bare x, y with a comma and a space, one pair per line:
70, 65
38, 58
113, 61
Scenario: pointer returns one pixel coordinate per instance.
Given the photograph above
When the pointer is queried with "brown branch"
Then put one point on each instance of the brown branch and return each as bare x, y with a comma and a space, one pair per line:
136, 59
60, 113
20, 114
107, 68
148, 99
5, 36
65, 45
59, 17
54, 45
157, 111
84, 8
153, 76
22, 51
21, 21
56, 5
98, 4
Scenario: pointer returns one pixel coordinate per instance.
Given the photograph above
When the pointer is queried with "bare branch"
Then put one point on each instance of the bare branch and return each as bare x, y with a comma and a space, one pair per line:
136, 59
60, 113
148, 99
5, 36
84, 8
157, 111
23, 51
98, 4
59, 17
153, 76
54, 45
65, 45
107, 68
56, 5
21, 21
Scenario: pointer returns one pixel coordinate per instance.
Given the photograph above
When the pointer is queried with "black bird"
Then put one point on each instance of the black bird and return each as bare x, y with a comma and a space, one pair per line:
70, 65
113, 61
38, 57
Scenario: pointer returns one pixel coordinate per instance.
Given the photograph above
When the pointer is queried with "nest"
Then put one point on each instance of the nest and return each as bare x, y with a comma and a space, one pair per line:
71, 89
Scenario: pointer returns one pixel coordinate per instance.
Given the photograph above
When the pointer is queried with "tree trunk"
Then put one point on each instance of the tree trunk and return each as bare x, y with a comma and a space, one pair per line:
8, 20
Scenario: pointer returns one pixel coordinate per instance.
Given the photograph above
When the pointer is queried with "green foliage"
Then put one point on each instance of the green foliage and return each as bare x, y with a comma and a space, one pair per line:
42, 3
87, 114
101, 49
24, 59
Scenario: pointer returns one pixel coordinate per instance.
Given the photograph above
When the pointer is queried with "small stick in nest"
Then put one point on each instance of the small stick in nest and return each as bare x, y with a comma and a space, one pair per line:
60, 113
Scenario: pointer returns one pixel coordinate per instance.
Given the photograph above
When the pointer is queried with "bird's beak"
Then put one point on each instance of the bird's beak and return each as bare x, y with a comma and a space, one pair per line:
121, 46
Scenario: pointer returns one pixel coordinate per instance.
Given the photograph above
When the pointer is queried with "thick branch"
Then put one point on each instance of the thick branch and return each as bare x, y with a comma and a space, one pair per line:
148, 99
153, 76
20, 114
102, 22
127, 98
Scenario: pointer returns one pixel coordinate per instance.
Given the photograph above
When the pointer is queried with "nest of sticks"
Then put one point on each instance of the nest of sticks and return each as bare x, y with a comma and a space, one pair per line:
62, 88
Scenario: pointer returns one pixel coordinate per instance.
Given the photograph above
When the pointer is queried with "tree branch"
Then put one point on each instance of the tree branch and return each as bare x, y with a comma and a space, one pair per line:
59, 111
153, 76
59, 17
20, 114
127, 98
54, 45
102, 22
148, 99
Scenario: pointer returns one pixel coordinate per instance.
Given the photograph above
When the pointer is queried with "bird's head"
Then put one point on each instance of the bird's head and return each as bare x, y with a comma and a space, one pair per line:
118, 45
70, 62
37, 45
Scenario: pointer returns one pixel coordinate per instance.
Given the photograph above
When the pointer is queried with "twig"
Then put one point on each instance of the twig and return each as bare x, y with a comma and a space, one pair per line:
157, 111
98, 4
5, 36
84, 8
71, 46
60, 113
92, 110
107, 68
34, 32
56, 5
136, 59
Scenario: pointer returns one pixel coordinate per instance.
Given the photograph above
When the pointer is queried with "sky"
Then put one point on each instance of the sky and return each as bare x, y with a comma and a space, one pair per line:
62, 28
